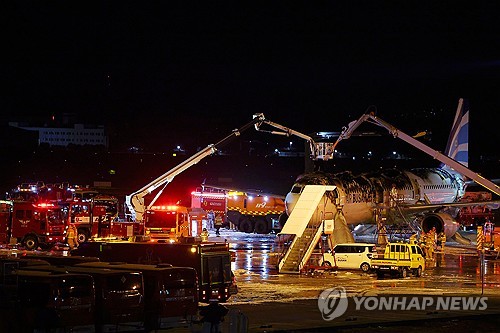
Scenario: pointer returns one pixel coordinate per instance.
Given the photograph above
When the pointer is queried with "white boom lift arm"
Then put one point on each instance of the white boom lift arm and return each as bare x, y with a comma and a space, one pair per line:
370, 117
284, 131
135, 201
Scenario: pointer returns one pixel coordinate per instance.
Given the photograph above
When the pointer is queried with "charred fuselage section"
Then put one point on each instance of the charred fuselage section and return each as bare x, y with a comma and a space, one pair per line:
392, 191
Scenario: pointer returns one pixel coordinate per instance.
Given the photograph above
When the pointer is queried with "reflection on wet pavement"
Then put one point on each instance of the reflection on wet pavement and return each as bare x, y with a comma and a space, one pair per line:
457, 271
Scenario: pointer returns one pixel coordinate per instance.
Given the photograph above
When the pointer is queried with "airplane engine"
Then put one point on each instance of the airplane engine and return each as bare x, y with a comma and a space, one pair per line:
442, 222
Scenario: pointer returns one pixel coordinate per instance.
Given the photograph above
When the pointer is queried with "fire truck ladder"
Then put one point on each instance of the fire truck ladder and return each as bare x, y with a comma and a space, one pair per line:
305, 224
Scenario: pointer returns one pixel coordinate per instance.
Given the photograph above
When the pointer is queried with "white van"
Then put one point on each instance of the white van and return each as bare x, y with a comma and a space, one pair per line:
350, 256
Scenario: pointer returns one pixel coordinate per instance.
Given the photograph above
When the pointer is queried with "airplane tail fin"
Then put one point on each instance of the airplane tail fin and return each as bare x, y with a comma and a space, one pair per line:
458, 141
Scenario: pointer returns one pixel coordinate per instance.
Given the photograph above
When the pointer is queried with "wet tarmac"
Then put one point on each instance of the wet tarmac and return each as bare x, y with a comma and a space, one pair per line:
271, 302
276, 302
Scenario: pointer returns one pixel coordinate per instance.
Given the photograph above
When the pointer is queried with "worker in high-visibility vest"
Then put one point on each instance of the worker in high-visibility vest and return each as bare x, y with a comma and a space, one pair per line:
442, 240
430, 243
423, 243
71, 235
204, 235
218, 224
480, 239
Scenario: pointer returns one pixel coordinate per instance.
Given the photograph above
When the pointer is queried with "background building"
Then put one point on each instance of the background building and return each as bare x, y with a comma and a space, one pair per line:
79, 134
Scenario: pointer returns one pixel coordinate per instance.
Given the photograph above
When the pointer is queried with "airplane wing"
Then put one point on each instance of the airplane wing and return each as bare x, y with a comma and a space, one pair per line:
494, 204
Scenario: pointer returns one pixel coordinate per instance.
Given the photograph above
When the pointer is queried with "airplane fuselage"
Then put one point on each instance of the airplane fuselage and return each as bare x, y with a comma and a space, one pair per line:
359, 196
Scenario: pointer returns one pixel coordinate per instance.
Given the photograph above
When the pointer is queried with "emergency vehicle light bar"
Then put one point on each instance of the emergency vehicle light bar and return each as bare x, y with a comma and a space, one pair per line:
45, 205
171, 208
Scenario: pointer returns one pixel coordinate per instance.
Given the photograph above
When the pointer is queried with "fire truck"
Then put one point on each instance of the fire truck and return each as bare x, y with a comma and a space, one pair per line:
249, 212
96, 216
40, 191
472, 216
31, 223
167, 222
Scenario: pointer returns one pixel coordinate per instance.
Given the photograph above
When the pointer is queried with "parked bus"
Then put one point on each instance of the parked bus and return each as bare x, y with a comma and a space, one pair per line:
48, 301
171, 293
60, 260
119, 296
212, 261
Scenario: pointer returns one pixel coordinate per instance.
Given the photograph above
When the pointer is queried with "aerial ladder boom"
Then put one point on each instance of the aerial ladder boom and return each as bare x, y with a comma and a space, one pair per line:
135, 201
285, 131
370, 117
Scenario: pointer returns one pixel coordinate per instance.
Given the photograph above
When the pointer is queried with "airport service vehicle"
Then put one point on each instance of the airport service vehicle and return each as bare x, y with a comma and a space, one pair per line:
38, 300
40, 191
471, 217
349, 256
168, 223
171, 293
399, 259
31, 223
96, 216
249, 212
212, 261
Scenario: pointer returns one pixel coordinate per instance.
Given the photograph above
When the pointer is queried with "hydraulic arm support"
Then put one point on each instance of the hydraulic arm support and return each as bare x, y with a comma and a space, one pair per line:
370, 117
135, 201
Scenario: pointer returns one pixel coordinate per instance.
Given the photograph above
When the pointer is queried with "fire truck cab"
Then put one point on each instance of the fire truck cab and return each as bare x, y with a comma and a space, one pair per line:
167, 222
31, 223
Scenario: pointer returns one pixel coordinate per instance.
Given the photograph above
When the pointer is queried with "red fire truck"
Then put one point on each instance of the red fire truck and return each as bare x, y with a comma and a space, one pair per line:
169, 222
249, 212
97, 216
31, 223
472, 216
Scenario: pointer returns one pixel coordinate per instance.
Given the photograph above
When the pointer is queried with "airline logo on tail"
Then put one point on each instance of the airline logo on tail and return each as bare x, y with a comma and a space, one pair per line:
458, 141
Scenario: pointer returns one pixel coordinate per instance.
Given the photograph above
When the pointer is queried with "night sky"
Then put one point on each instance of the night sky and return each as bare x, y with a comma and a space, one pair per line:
181, 72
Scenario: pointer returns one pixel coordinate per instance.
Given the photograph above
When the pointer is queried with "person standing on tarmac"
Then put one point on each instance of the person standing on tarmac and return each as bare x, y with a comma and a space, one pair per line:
204, 235
71, 235
218, 224
214, 314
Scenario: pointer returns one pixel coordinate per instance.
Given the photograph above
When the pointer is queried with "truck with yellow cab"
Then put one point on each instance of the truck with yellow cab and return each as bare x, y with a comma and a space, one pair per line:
399, 260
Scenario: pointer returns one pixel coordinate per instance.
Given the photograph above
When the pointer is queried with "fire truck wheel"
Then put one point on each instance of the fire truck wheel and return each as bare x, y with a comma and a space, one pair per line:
261, 226
30, 242
82, 236
246, 226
